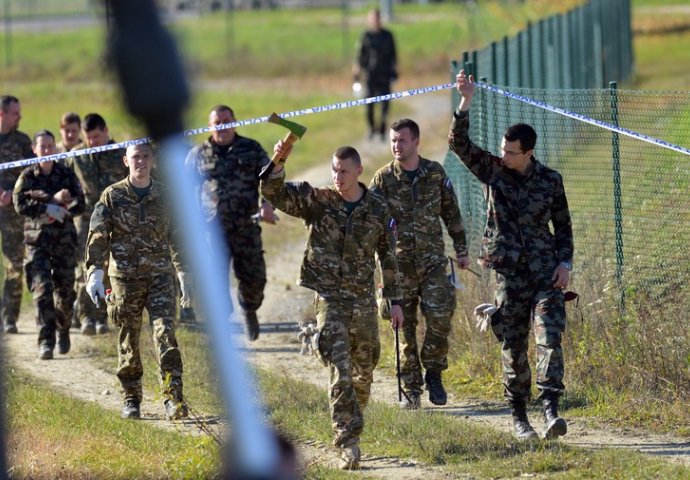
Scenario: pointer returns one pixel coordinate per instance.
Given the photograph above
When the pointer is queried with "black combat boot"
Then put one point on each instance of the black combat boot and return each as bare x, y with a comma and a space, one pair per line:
350, 457
437, 394
45, 351
11, 327
88, 327
102, 327
251, 324
554, 426
131, 409
64, 343
523, 430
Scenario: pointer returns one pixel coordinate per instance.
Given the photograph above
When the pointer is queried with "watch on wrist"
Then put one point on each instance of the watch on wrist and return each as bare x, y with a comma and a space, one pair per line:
568, 265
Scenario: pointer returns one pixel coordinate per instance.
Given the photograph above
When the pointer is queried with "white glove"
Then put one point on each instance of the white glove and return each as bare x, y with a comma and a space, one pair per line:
185, 290
56, 212
483, 314
94, 286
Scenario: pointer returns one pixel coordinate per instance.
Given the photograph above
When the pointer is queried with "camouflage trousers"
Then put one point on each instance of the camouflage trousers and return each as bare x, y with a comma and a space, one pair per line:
85, 306
349, 344
128, 299
524, 297
248, 264
12, 232
436, 296
50, 277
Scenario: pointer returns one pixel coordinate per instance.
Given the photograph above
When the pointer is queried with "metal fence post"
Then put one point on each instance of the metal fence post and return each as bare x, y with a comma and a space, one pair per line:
8, 34
530, 83
494, 63
617, 206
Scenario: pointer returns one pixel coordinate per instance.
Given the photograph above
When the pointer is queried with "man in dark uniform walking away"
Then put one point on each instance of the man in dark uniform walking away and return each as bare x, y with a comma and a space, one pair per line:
230, 165
420, 195
377, 59
14, 145
95, 171
532, 264
49, 195
348, 226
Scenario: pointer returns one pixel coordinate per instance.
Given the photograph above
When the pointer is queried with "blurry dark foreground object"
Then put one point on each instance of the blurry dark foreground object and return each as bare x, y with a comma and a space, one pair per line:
155, 91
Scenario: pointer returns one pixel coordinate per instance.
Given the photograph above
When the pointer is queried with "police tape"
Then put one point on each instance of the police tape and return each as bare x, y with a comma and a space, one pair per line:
240, 123
356, 103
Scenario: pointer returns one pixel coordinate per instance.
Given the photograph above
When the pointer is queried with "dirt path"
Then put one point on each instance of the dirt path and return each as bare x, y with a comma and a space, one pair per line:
277, 349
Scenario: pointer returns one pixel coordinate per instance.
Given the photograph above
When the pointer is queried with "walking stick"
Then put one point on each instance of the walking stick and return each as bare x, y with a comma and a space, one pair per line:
397, 362
401, 392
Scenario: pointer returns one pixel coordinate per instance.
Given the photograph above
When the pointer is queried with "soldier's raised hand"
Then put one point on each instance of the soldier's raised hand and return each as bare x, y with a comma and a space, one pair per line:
283, 150
465, 84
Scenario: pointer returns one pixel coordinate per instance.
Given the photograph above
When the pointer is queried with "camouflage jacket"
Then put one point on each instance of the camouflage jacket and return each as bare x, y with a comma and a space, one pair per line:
15, 146
418, 206
339, 256
98, 170
137, 233
519, 210
33, 191
230, 183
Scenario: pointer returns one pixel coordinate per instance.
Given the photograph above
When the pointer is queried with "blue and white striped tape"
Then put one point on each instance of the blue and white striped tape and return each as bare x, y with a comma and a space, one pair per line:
356, 103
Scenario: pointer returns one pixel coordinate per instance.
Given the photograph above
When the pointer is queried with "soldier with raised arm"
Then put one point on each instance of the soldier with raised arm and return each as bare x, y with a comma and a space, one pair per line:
528, 242
347, 226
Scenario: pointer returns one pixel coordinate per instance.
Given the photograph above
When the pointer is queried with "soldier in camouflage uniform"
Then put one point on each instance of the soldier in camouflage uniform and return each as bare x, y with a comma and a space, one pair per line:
14, 145
49, 195
230, 166
130, 224
419, 196
347, 226
532, 264
70, 128
96, 171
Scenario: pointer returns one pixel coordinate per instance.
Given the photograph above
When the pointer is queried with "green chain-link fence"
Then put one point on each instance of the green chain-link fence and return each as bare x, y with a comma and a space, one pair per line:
584, 48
